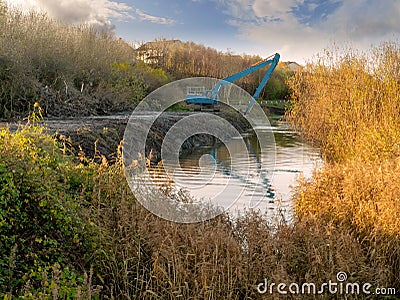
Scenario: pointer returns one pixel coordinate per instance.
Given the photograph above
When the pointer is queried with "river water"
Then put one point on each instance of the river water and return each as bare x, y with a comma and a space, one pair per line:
206, 172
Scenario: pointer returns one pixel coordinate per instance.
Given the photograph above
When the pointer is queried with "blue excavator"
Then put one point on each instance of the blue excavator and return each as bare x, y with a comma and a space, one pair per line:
201, 97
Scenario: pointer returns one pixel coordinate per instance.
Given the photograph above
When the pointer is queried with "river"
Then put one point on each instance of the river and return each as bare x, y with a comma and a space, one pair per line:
206, 172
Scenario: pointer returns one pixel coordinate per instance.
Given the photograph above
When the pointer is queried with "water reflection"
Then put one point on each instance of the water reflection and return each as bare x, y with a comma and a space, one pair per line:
256, 183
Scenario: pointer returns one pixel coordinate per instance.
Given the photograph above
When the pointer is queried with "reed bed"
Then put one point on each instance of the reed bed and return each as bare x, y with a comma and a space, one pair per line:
348, 103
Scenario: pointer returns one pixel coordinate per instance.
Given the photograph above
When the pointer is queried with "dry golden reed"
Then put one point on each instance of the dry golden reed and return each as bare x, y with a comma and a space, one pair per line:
348, 103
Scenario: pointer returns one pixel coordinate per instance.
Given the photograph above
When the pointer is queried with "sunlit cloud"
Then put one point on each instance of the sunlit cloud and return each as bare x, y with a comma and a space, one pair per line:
154, 19
94, 12
99, 13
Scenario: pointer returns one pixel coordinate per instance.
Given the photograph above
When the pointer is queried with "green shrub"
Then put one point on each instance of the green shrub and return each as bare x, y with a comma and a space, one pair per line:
40, 220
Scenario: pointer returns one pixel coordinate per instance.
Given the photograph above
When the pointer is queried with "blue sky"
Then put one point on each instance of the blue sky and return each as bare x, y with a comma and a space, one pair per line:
200, 21
297, 29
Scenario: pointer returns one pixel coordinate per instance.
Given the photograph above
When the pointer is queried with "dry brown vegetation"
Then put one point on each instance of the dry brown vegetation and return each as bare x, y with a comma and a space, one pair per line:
72, 228
348, 103
69, 70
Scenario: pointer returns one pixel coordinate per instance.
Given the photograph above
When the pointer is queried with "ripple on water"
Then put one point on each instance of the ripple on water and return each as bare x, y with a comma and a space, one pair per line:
254, 183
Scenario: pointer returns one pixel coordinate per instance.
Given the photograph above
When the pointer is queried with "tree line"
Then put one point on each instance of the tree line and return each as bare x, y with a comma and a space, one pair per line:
188, 59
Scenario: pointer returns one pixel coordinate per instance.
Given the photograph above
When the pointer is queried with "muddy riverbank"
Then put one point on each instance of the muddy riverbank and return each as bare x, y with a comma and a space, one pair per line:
100, 136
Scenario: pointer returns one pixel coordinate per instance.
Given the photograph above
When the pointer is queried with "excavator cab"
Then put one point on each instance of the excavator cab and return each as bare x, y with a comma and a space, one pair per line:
200, 97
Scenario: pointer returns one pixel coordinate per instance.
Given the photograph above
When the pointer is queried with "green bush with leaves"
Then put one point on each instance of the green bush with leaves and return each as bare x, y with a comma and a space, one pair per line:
58, 219
276, 87
40, 224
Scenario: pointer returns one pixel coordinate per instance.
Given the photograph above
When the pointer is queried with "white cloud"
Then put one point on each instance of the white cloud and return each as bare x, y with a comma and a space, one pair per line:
312, 6
362, 19
274, 25
154, 19
94, 12
273, 9
240, 10
292, 41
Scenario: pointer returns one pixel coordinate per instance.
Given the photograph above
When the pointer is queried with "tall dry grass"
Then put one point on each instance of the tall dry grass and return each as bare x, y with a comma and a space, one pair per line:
222, 258
225, 259
348, 103
35, 40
